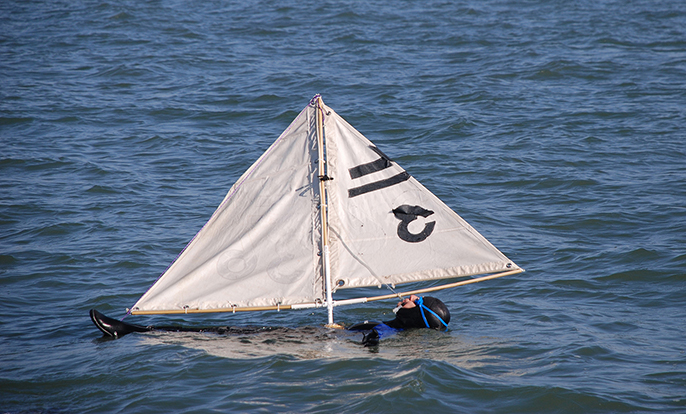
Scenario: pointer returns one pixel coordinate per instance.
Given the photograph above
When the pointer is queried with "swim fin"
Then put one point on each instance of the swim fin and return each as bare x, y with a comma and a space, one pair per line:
114, 328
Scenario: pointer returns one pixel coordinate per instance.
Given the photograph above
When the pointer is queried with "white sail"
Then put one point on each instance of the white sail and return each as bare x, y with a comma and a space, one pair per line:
386, 228
263, 246
260, 247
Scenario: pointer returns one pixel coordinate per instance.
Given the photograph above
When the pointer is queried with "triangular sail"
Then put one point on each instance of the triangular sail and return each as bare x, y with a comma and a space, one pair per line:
386, 228
262, 248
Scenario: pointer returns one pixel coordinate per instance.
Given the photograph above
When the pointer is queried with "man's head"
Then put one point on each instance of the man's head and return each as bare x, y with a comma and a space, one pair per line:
426, 312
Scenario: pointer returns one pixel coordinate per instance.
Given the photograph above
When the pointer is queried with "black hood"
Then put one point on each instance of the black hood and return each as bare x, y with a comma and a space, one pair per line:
407, 318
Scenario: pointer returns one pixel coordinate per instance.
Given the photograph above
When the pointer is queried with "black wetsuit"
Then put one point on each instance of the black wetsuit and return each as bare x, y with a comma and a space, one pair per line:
428, 313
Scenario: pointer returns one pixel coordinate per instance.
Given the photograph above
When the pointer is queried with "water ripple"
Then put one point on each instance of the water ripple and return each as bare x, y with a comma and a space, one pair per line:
555, 129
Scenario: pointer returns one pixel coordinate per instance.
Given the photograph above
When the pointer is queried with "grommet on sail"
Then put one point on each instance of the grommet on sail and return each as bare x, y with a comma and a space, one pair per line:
322, 209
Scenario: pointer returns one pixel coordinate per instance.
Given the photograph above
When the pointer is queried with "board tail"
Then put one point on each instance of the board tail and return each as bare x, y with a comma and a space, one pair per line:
114, 328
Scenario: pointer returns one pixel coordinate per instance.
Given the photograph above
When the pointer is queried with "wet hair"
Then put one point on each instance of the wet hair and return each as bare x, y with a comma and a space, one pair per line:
429, 313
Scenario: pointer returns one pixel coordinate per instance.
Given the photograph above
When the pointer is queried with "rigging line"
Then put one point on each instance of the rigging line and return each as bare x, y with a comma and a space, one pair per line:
357, 257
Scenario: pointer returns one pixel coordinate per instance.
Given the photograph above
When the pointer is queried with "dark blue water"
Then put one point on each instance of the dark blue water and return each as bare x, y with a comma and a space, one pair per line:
555, 128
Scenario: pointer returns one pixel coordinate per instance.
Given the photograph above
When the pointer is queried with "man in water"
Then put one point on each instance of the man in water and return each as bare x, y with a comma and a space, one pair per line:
412, 312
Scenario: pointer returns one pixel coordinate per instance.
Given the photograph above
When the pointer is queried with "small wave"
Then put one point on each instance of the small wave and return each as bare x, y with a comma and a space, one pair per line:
15, 120
59, 229
98, 189
6, 259
640, 275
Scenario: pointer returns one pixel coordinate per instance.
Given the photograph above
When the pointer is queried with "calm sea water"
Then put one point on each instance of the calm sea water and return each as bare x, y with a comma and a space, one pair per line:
555, 128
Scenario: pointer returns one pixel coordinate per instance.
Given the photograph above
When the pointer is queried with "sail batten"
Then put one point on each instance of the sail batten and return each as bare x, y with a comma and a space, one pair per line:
322, 209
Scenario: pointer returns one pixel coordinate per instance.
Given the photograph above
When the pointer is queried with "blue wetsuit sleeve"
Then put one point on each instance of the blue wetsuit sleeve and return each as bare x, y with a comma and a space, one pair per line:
373, 331
385, 331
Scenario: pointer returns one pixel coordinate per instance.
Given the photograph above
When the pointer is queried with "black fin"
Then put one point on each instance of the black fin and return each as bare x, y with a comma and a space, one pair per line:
371, 339
114, 328
364, 326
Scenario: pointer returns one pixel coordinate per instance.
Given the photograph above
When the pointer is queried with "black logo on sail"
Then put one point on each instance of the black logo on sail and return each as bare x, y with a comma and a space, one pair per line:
372, 167
407, 214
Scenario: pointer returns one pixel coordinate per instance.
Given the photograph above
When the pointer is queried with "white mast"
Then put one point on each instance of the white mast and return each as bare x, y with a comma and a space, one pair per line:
323, 207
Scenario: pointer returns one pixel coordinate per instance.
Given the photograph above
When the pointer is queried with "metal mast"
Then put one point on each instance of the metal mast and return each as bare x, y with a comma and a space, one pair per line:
323, 205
